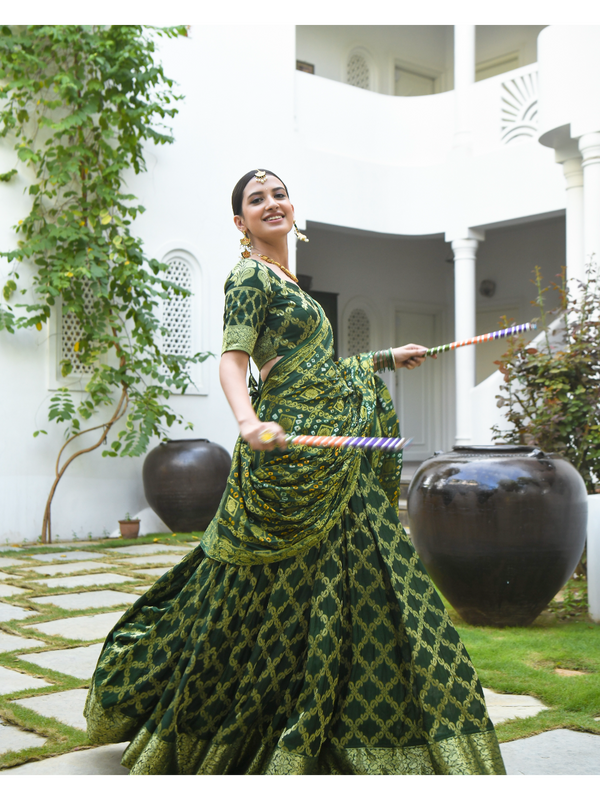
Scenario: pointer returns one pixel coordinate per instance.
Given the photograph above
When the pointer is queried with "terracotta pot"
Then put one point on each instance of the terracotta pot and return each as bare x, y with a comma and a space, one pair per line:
130, 528
499, 529
184, 480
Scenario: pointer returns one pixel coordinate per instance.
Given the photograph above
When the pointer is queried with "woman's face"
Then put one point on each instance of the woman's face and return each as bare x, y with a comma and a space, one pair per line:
266, 210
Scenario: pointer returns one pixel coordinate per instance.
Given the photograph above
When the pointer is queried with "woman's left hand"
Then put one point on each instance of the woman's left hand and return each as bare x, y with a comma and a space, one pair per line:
409, 355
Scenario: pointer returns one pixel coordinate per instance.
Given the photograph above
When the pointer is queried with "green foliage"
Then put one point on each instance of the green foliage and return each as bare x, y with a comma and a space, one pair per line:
79, 103
551, 395
572, 600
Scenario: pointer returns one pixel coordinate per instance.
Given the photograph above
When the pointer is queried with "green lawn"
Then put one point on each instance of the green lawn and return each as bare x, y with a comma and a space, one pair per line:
524, 660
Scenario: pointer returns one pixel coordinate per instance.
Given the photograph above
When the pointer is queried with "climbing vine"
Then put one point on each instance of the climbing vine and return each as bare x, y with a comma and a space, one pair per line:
78, 103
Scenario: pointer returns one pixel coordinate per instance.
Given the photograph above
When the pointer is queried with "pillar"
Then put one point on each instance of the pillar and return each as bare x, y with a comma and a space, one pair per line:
464, 328
573, 173
589, 146
464, 77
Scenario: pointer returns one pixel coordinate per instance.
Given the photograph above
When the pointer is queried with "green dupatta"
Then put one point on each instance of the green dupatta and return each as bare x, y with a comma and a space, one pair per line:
277, 504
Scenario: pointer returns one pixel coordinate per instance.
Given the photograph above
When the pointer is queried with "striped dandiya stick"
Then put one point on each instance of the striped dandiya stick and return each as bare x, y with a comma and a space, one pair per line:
393, 444
485, 337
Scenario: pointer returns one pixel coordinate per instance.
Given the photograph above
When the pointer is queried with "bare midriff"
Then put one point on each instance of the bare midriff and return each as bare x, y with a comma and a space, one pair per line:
268, 367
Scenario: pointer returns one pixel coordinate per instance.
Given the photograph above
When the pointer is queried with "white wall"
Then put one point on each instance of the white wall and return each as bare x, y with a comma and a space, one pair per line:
352, 159
428, 46
219, 135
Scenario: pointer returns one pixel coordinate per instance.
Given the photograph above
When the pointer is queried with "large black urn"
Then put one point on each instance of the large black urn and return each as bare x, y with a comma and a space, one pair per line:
499, 529
184, 480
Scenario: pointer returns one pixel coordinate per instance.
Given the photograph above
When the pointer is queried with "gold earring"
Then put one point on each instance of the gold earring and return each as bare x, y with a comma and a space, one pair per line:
300, 236
245, 243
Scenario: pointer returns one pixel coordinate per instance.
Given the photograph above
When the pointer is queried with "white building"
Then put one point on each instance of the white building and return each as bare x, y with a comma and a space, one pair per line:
422, 162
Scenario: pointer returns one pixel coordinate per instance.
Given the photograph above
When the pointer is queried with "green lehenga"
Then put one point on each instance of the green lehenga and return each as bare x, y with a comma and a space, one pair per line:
303, 636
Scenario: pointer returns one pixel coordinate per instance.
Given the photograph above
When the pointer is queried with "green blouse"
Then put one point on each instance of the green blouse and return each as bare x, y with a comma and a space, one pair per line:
265, 316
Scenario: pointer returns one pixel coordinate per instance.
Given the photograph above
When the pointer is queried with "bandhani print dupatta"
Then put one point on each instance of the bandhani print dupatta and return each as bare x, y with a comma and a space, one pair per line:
278, 504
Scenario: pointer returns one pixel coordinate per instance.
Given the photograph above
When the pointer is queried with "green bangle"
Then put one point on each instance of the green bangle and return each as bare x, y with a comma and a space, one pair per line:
384, 360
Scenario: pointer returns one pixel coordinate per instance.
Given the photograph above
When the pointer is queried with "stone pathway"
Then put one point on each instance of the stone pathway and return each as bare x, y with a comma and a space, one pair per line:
57, 607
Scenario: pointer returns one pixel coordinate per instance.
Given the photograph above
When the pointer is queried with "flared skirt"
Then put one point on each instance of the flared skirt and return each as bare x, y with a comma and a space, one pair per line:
340, 660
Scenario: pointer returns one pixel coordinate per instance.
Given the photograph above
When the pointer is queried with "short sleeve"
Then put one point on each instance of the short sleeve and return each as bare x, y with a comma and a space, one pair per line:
247, 298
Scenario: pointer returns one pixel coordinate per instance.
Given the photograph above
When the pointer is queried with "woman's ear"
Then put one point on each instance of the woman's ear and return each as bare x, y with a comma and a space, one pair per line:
239, 223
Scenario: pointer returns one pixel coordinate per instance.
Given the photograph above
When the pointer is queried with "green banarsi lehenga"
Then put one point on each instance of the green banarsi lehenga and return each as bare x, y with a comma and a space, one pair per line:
303, 635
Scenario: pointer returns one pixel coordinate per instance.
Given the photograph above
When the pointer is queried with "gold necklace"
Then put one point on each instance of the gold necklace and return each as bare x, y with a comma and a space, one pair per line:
277, 264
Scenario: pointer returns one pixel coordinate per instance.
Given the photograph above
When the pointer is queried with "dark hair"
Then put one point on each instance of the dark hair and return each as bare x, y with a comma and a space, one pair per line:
238, 191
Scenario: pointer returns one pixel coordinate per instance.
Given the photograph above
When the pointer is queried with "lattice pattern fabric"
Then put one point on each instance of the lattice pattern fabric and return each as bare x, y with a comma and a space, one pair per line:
341, 660
303, 636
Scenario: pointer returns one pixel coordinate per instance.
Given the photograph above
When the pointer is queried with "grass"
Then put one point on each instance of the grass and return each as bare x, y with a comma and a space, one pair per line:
524, 660
507, 660
60, 738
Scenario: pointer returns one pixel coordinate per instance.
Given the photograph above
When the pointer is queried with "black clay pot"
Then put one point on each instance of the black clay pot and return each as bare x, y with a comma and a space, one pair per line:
499, 529
184, 480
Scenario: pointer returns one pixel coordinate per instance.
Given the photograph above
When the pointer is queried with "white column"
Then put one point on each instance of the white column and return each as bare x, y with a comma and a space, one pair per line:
589, 146
573, 173
464, 328
593, 556
464, 77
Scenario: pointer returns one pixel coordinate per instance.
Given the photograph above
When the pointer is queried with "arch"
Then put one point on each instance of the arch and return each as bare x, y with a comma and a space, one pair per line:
359, 69
360, 327
183, 316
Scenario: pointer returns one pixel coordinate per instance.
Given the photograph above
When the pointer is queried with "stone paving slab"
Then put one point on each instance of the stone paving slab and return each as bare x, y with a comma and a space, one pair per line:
66, 707
71, 581
153, 572
136, 549
8, 612
11, 562
559, 752
9, 642
66, 568
80, 662
13, 681
4, 576
104, 597
96, 626
502, 707
167, 558
9, 591
13, 739
105, 760
71, 555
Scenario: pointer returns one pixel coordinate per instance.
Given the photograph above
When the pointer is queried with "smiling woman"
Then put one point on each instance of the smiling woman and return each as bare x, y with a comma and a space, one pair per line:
303, 636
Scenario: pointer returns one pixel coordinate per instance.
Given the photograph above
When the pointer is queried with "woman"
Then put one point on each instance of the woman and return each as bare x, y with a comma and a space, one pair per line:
303, 636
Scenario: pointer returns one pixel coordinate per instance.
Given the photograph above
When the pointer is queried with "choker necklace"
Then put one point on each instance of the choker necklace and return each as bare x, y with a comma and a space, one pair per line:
277, 264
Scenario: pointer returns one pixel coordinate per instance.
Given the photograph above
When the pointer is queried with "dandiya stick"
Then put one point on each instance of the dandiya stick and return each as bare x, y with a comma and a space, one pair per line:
485, 337
393, 444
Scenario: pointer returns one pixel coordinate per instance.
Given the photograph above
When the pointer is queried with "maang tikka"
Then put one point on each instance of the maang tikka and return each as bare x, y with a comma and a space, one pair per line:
245, 243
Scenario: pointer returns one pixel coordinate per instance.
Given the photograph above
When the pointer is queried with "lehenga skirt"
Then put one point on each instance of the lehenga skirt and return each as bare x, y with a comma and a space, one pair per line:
339, 660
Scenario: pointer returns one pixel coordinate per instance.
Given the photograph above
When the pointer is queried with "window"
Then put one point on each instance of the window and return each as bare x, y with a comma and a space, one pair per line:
359, 332
358, 72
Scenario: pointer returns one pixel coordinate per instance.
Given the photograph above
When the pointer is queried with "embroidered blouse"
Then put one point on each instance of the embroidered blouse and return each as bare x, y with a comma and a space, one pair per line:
265, 316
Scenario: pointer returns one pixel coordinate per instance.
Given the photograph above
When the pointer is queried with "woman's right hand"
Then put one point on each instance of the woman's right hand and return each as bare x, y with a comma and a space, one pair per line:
252, 430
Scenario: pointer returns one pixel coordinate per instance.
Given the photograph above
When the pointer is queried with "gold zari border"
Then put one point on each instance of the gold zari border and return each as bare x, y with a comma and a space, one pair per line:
468, 754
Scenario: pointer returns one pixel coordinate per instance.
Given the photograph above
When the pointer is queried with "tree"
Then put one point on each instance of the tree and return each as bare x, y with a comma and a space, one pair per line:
80, 102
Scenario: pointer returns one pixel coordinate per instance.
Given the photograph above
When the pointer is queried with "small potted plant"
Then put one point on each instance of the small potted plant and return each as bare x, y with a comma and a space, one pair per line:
130, 528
